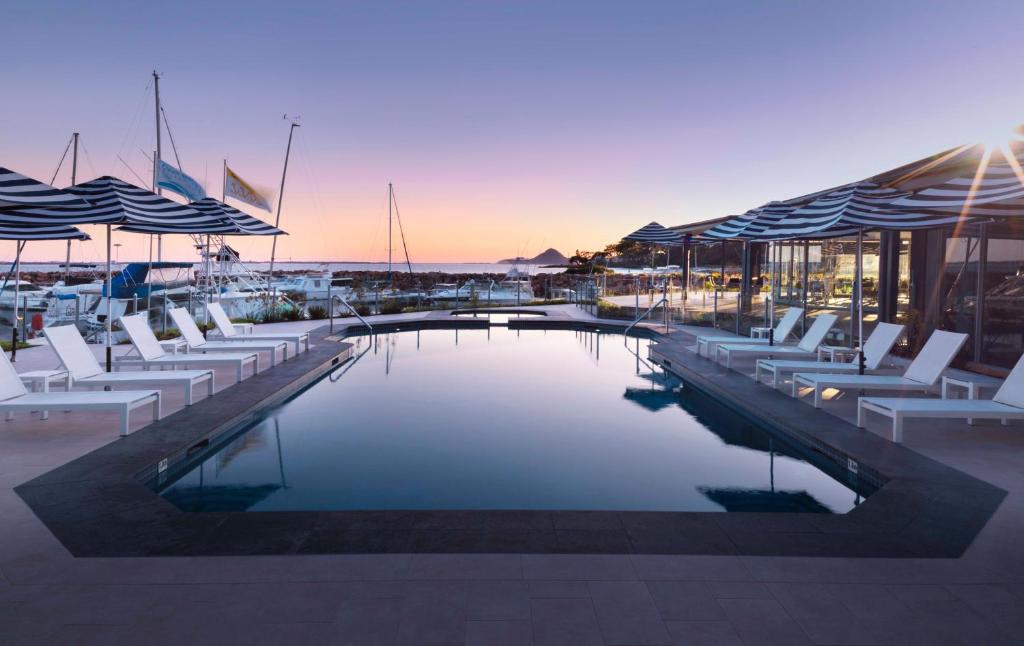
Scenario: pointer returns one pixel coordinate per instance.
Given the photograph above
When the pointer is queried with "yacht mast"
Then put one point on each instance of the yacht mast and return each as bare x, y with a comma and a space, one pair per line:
74, 175
390, 200
156, 157
280, 198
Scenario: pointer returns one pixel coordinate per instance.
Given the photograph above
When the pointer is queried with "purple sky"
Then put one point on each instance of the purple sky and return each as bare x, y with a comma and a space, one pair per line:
506, 128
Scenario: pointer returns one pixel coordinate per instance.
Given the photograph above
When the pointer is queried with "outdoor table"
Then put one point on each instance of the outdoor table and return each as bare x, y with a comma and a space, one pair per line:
835, 352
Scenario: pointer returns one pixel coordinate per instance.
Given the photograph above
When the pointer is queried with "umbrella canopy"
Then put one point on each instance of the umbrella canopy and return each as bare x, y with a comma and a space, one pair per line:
31, 232
246, 223
115, 201
654, 233
18, 191
986, 183
224, 220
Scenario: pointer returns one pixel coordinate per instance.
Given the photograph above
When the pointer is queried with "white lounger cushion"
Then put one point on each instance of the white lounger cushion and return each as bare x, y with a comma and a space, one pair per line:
151, 354
782, 330
879, 343
194, 338
229, 332
16, 398
921, 374
1007, 403
808, 344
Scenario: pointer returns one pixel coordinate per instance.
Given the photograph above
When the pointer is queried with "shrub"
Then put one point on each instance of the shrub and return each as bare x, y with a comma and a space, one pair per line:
391, 306
316, 312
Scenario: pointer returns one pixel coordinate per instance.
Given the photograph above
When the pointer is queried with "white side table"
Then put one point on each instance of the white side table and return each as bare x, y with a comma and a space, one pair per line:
40, 380
835, 352
972, 384
760, 332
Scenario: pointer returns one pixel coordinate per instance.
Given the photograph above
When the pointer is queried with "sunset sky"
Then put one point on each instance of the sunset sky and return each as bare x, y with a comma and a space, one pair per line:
505, 127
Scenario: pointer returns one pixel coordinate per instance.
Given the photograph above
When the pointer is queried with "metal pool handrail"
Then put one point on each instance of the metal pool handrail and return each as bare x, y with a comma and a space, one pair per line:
625, 333
332, 298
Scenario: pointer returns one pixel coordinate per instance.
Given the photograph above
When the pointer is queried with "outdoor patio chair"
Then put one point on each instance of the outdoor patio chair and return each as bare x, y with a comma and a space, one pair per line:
84, 370
808, 345
782, 330
876, 348
921, 375
14, 397
232, 332
152, 355
197, 343
1007, 403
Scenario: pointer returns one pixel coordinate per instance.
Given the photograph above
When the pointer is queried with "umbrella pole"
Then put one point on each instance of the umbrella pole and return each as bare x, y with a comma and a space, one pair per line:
860, 300
19, 245
110, 294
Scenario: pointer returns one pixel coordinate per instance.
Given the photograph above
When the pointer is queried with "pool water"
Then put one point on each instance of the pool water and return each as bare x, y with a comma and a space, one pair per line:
504, 419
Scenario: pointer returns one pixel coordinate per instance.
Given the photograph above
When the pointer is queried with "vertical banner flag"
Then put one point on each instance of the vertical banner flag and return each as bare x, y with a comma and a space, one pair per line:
241, 190
174, 180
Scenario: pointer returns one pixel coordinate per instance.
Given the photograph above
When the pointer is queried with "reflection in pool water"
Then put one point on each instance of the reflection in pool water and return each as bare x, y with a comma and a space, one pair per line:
504, 419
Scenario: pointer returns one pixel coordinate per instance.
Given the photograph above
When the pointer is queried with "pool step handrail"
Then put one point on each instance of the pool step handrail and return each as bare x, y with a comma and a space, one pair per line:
342, 300
625, 333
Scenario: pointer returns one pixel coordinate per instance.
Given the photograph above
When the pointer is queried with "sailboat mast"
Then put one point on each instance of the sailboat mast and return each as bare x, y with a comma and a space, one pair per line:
390, 200
74, 175
156, 157
280, 198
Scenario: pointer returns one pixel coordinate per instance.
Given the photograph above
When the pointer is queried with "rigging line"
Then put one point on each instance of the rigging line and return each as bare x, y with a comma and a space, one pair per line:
170, 134
88, 158
401, 230
121, 159
134, 121
61, 162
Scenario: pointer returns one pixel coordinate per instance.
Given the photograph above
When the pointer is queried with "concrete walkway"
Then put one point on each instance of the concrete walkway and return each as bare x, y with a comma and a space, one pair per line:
48, 597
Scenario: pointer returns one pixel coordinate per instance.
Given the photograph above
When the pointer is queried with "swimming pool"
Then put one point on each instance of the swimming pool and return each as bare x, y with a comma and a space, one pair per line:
499, 418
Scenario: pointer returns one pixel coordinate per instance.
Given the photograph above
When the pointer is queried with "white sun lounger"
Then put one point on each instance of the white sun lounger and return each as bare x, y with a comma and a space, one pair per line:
808, 344
1007, 403
706, 344
152, 355
196, 343
876, 348
85, 370
921, 375
230, 332
14, 397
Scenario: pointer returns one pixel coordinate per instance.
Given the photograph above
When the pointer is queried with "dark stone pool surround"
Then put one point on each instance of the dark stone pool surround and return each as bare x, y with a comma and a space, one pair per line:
98, 505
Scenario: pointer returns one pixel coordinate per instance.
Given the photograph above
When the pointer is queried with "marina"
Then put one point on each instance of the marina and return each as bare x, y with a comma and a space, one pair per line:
505, 323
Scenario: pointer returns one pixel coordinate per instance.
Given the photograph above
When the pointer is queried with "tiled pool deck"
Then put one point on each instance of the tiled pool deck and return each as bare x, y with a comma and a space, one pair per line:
48, 596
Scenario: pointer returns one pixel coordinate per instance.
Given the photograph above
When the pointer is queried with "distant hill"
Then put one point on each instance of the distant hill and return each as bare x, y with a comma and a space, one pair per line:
547, 257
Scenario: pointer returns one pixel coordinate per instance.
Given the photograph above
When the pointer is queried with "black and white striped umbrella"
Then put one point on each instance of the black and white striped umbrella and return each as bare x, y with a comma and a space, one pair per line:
654, 233
994, 188
31, 232
118, 202
848, 209
19, 191
228, 221
247, 224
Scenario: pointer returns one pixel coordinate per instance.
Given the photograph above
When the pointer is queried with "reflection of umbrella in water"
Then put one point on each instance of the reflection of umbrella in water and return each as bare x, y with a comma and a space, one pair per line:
220, 497
737, 499
651, 399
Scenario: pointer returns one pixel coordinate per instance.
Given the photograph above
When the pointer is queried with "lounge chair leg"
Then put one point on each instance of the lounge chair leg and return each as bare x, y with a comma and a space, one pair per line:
860, 414
124, 420
156, 407
188, 394
817, 396
897, 428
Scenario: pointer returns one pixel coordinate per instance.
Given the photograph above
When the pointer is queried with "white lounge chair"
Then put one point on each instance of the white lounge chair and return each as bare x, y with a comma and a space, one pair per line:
85, 370
14, 397
808, 344
231, 332
782, 330
876, 348
152, 355
921, 375
197, 343
1007, 403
